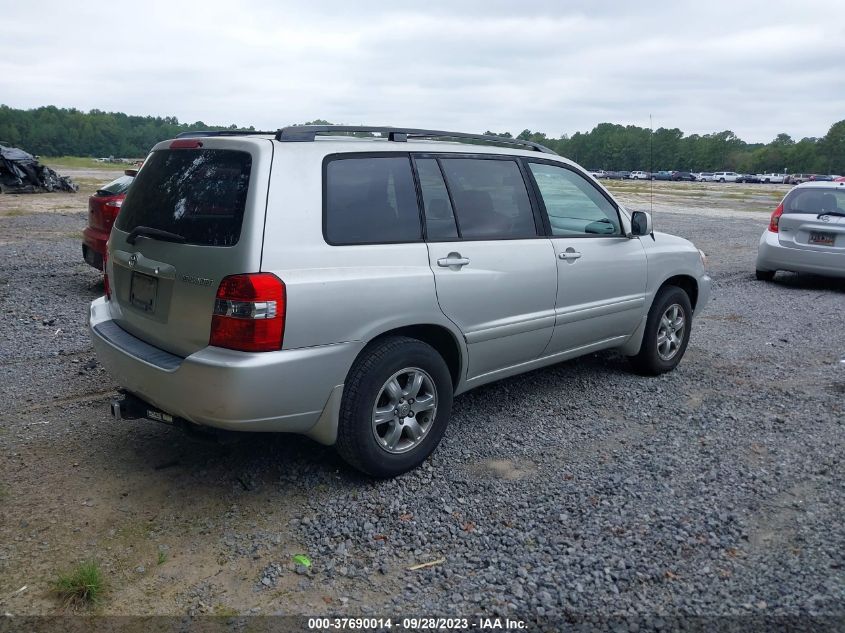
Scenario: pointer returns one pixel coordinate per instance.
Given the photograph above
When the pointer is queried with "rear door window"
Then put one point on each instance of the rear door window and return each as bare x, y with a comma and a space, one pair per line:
439, 216
490, 198
370, 200
199, 194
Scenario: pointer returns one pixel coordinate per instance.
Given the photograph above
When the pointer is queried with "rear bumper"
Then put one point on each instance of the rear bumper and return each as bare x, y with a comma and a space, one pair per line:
772, 255
293, 391
94, 246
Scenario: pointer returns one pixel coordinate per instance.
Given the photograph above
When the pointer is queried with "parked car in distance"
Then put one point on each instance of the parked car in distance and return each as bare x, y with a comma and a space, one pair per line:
704, 176
598, 173
640, 175
821, 178
103, 208
347, 288
797, 179
618, 175
839, 179
806, 232
772, 178
683, 175
725, 176
748, 178
661, 175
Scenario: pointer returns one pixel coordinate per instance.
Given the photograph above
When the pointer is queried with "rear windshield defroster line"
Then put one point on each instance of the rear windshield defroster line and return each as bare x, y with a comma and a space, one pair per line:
199, 194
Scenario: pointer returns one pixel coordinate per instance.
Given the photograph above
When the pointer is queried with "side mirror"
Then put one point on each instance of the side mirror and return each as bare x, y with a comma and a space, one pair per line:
641, 223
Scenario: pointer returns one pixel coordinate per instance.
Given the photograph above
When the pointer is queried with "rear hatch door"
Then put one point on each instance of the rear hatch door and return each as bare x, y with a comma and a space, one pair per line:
811, 219
194, 215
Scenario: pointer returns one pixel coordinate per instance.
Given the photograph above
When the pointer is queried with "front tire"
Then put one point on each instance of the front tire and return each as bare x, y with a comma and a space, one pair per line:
666, 334
396, 406
764, 275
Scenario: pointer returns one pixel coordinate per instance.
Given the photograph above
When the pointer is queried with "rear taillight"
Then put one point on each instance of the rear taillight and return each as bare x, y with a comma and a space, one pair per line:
775, 219
110, 211
106, 284
249, 313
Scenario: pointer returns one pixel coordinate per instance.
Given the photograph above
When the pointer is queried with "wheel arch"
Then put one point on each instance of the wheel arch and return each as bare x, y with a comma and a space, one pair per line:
439, 337
687, 283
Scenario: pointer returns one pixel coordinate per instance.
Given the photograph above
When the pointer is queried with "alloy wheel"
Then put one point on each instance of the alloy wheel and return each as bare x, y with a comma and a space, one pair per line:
670, 333
405, 410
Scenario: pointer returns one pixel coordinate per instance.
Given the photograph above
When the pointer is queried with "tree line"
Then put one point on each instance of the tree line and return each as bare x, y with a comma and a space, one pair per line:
619, 147
52, 131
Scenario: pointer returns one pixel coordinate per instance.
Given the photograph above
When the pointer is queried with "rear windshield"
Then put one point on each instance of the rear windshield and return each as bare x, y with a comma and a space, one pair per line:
815, 201
116, 187
199, 194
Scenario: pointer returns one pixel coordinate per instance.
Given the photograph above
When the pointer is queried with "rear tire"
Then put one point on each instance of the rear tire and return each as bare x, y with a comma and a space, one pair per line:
396, 405
667, 332
764, 275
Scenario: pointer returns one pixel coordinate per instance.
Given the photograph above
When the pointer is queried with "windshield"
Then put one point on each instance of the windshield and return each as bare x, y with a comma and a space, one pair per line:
198, 194
815, 201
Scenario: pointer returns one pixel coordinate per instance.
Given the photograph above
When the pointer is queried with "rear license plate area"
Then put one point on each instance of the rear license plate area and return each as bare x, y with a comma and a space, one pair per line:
159, 416
822, 239
142, 292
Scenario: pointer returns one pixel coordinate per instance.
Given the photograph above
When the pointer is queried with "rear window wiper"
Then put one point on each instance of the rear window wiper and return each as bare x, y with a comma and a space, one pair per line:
839, 213
156, 234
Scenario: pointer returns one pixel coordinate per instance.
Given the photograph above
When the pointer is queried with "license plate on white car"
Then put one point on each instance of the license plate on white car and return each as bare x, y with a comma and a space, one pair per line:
822, 239
142, 292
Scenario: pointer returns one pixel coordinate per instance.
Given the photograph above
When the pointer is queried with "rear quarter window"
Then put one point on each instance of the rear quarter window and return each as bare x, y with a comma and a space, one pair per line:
370, 200
199, 194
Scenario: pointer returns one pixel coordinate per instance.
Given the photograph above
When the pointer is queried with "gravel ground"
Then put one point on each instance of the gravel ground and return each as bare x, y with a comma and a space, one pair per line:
573, 492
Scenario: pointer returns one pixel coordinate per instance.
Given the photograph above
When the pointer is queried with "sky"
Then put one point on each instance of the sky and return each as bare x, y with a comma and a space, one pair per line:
559, 67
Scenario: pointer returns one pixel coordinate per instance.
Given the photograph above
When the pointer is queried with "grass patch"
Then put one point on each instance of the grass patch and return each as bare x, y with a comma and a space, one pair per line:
222, 610
13, 213
80, 162
81, 587
134, 531
162, 557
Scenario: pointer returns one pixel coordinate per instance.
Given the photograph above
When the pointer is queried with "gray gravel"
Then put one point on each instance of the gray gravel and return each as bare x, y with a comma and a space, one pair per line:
576, 491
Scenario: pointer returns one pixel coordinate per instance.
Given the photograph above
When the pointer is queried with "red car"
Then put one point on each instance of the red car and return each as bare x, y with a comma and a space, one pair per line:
102, 211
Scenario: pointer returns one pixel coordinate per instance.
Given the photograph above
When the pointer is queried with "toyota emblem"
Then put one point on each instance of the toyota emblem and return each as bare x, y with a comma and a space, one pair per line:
133, 259
825, 218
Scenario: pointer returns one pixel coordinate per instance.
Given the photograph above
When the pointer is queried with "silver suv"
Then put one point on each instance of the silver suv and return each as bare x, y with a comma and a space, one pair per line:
347, 287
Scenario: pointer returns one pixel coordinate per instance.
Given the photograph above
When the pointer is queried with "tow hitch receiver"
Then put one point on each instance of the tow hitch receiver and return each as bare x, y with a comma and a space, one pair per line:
131, 407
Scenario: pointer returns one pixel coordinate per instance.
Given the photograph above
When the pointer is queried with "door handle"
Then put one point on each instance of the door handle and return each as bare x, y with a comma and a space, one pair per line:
453, 260
569, 255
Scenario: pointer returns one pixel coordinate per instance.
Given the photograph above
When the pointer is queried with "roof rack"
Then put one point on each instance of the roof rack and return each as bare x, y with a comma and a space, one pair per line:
196, 133
305, 133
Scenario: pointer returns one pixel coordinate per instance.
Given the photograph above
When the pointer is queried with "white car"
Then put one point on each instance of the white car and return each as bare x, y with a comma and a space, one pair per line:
772, 178
704, 176
725, 176
598, 173
640, 175
806, 233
